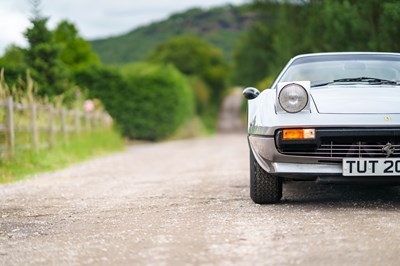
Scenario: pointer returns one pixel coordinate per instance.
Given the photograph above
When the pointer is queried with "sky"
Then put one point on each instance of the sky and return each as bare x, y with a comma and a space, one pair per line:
94, 18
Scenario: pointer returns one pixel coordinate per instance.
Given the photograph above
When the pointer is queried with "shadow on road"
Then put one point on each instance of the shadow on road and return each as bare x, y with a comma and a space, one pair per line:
363, 196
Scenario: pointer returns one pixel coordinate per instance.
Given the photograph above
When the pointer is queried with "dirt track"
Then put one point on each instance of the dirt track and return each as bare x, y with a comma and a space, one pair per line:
187, 203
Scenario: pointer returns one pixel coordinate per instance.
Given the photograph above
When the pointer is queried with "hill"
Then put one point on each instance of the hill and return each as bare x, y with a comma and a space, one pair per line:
221, 26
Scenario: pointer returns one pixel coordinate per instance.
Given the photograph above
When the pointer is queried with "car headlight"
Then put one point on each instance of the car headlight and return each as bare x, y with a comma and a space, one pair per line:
293, 98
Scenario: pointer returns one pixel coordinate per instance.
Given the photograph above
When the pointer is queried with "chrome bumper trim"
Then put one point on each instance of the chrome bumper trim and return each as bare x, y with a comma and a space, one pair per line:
273, 162
299, 168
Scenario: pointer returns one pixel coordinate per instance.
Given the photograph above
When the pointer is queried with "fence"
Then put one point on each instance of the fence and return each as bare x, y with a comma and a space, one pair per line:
36, 126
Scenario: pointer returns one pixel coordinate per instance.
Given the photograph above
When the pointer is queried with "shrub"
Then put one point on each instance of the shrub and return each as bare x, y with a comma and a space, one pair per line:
156, 101
148, 102
194, 56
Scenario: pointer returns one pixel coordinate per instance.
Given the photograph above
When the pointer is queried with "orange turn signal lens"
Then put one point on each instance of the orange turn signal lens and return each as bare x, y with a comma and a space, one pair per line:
299, 134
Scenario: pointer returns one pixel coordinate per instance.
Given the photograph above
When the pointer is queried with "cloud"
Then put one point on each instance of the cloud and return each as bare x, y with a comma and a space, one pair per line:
12, 25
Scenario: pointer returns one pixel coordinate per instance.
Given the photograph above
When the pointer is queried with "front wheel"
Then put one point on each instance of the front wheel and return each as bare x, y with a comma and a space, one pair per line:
264, 188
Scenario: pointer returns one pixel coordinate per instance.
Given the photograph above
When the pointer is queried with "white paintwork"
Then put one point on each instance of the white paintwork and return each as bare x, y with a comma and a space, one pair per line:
358, 99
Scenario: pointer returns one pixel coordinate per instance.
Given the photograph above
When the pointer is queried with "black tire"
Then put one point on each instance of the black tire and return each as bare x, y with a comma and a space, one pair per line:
264, 188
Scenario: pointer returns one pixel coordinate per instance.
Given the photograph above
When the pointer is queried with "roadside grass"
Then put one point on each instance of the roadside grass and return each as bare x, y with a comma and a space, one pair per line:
76, 149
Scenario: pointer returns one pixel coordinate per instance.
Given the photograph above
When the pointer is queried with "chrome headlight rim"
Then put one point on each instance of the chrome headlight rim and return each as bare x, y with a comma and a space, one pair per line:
301, 107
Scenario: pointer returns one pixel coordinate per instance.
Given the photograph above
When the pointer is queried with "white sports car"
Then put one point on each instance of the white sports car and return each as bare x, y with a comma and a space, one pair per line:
328, 117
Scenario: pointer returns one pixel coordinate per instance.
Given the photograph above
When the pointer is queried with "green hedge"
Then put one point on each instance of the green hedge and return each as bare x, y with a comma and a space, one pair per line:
156, 101
148, 102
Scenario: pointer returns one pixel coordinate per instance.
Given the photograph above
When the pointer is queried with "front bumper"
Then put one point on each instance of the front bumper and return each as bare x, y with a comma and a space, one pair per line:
321, 169
275, 163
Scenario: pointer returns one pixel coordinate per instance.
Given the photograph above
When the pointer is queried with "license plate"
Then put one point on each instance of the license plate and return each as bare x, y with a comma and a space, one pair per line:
371, 167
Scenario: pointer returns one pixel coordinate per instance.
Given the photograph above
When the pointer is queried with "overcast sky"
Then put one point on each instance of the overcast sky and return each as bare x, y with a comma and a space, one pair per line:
93, 18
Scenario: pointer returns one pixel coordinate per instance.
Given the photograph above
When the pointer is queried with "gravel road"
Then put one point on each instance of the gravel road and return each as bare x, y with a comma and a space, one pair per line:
187, 203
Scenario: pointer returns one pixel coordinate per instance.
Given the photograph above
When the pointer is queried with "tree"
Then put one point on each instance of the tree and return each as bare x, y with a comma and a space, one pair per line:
13, 64
194, 56
252, 56
43, 57
288, 28
389, 31
75, 52
256, 52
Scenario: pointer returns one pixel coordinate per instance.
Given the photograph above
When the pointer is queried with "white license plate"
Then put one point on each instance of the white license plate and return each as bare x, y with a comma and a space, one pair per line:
371, 167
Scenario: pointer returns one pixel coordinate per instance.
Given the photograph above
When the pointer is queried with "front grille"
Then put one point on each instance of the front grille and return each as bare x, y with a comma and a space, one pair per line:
357, 149
344, 143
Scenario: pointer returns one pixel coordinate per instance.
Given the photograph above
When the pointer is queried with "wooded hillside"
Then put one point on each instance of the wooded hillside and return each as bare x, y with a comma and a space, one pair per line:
220, 26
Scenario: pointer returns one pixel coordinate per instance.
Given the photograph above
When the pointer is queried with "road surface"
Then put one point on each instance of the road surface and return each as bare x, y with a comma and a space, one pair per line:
187, 203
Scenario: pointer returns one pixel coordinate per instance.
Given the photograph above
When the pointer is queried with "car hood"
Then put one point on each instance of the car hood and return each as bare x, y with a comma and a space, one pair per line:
357, 99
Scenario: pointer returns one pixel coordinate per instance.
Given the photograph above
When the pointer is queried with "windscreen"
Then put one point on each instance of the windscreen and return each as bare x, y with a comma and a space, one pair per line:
327, 68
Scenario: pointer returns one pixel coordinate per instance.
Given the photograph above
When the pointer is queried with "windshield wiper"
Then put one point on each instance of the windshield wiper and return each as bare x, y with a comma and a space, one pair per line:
367, 79
372, 81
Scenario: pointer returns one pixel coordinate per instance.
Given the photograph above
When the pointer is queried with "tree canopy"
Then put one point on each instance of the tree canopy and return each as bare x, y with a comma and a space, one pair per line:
43, 60
75, 52
288, 28
194, 56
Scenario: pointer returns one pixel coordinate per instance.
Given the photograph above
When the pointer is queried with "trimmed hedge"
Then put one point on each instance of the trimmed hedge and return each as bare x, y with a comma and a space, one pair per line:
156, 101
148, 102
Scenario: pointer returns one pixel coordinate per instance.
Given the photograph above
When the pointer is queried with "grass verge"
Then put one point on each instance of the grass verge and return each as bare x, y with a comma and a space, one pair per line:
76, 149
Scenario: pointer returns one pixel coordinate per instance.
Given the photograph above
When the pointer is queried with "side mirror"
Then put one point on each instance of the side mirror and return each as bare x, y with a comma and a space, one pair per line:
251, 93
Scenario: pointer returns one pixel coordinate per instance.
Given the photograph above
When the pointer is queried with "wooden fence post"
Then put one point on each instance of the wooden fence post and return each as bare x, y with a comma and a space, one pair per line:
77, 117
87, 121
63, 124
51, 125
92, 121
10, 127
107, 120
34, 129
95, 119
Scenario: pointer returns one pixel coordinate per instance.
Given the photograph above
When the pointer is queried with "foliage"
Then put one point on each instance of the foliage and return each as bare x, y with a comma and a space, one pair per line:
42, 58
149, 102
60, 58
202, 94
265, 83
51, 58
13, 63
157, 100
75, 52
220, 26
251, 61
71, 148
329, 25
55, 59
389, 38
194, 56
104, 83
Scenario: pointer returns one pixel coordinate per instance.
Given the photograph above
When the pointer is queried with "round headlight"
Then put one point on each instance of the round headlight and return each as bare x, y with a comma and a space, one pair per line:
293, 98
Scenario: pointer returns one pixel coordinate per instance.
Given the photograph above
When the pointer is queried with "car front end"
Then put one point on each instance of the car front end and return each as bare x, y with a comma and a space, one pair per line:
344, 130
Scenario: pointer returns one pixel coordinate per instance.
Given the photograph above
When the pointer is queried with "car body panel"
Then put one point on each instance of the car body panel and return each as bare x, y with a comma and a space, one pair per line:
357, 99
